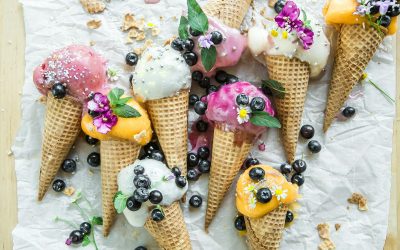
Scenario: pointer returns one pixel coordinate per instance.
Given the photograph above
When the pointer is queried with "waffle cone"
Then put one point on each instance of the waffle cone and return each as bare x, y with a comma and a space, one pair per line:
229, 151
230, 12
169, 117
115, 155
294, 76
356, 46
61, 127
265, 233
170, 233
93, 6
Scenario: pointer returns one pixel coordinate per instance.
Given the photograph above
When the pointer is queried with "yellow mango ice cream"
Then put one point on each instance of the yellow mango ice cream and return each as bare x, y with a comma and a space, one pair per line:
135, 128
342, 12
262, 189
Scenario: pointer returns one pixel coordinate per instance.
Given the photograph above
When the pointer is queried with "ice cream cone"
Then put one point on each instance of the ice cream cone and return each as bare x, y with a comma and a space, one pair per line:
356, 46
230, 12
93, 6
169, 117
294, 75
170, 233
266, 232
229, 151
61, 127
115, 155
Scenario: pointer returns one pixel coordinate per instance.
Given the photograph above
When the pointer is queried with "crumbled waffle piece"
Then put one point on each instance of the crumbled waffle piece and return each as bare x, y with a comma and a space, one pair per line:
337, 226
93, 6
327, 243
69, 191
357, 198
129, 22
93, 24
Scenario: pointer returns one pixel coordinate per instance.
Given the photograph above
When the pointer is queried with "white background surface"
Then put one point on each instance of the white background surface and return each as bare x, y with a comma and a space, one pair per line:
355, 156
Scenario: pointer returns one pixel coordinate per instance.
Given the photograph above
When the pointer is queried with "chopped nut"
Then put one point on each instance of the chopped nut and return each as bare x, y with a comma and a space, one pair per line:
155, 31
92, 43
133, 33
357, 198
141, 36
93, 6
69, 191
337, 226
323, 230
148, 43
129, 22
93, 24
138, 51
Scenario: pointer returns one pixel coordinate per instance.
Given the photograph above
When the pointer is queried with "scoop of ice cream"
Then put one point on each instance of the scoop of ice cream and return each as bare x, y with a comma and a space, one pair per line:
283, 192
342, 12
223, 108
136, 129
79, 67
229, 50
161, 179
161, 72
275, 41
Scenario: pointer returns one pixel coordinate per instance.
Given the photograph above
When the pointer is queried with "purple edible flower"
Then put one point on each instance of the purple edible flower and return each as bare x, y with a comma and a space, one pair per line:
384, 5
68, 242
288, 18
306, 37
99, 103
105, 121
205, 41
362, 10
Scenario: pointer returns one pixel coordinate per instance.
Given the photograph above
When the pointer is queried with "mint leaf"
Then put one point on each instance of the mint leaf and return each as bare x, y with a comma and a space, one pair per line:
126, 111
122, 101
197, 19
262, 118
276, 88
120, 201
114, 95
97, 220
183, 28
86, 241
209, 57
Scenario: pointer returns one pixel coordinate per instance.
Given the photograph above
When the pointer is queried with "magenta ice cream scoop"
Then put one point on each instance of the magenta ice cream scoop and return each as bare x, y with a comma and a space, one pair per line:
79, 67
225, 107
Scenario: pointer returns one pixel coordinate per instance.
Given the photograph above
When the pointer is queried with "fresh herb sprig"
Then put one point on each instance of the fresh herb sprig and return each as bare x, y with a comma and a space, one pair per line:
263, 119
119, 106
276, 88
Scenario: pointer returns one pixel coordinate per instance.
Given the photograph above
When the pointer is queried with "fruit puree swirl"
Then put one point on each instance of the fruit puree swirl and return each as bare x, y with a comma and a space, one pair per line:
234, 104
79, 68
261, 189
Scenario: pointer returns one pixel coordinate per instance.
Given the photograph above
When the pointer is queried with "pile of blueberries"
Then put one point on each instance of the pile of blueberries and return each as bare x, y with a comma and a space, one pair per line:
307, 132
198, 163
76, 236
152, 151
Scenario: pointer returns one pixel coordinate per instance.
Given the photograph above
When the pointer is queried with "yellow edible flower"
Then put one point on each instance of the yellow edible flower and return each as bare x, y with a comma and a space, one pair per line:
274, 33
284, 34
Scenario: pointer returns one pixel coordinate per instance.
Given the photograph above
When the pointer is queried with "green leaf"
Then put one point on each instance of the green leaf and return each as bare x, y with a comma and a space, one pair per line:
122, 101
262, 118
183, 28
276, 88
197, 19
86, 241
126, 111
97, 220
114, 95
120, 201
209, 57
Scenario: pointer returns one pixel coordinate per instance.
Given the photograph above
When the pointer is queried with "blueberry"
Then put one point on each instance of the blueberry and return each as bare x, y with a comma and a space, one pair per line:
131, 58
289, 216
251, 162
264, 195
216, 37
307, 131
278, 6
298, 179
157, 155
193, 175
157, 215
68, 166
180, 181
150, 147
155, 197
242, 99
138, 169
91, 140
384, 21
190, 58
200, 108
285, 168
314, 146
194, 32
374, 10
239, 223
59, 185
201, 126
204, 166
76, 236
203, 152
193, 98
195, 201
205, 82
393, 11
58, 90
188, 45
141, 181
93, 113
221, 76
192, 160
231, 79
257, 173
197, 76
141, 248
177, 44
299, 166
141, 194
211, 89
132, 204
176, 171
348, 112
85, 228
93, 159
257, 104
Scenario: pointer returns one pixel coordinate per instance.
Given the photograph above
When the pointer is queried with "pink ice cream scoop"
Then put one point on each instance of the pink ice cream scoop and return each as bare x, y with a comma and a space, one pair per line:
223, 108
228, 52
79, 67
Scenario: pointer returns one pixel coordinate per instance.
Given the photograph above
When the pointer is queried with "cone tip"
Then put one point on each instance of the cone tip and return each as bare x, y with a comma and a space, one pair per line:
40, 195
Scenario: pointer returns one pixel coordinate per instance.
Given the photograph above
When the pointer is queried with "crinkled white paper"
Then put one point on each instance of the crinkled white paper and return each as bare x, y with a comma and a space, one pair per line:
356, 154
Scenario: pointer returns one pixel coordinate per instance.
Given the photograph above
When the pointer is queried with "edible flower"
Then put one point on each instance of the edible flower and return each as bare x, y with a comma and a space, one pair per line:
243, 114
279, 193
205, 41
288, 18
105, 121
99, 103
252, 201
306, 37
112, 74
384, 5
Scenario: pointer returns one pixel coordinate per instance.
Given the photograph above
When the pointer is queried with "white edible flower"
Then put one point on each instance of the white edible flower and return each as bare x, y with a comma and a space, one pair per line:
280, 193
243, 114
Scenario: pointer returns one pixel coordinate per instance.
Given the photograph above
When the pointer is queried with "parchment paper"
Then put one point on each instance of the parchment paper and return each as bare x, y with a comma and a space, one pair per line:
356, 154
